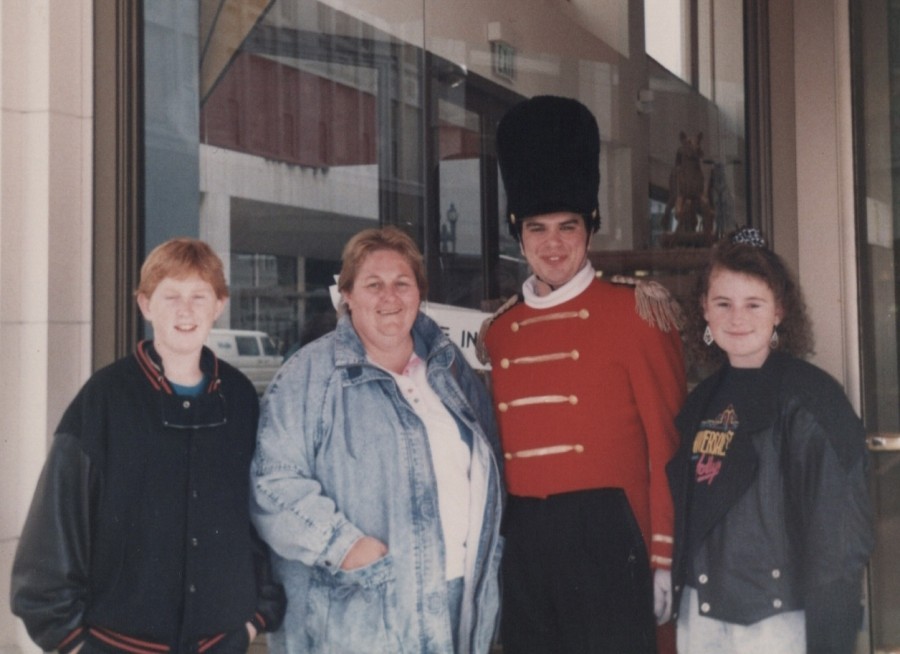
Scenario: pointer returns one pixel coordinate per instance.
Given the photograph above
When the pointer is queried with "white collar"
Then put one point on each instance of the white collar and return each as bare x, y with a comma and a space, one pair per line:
571, 289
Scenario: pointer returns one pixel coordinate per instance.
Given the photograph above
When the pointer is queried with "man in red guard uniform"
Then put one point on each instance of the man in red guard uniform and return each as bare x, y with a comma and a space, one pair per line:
587, 378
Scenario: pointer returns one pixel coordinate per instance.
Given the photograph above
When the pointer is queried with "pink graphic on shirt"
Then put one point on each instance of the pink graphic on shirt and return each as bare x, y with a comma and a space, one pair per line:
707, 469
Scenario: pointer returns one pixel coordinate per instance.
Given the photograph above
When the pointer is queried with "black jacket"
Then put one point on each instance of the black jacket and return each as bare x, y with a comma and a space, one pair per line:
791, 526
139, 527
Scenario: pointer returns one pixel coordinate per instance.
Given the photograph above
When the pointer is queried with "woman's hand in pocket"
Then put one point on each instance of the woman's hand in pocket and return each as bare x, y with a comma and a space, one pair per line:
364, 551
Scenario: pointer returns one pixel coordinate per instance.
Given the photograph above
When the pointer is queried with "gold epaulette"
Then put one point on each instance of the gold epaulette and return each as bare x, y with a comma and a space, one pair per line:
653, 302
480, 347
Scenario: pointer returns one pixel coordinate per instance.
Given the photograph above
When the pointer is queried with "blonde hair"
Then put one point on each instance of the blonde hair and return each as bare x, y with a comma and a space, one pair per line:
179, 258
384, 238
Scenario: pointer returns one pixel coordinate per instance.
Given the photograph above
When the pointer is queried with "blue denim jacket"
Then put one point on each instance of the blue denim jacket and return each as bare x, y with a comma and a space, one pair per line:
341, 454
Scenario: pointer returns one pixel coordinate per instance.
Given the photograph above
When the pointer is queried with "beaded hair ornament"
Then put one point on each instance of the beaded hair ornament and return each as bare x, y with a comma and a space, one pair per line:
749, 236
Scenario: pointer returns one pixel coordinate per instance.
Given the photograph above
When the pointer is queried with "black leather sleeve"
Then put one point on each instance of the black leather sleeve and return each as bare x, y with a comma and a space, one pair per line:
834, 615
50, 571
829, 503
272, 600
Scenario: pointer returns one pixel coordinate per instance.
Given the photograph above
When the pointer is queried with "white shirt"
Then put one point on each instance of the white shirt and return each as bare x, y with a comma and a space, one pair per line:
451, 459
572, 288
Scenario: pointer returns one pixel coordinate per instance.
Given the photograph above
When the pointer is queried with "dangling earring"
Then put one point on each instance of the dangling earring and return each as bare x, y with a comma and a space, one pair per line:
773, 341
707, 336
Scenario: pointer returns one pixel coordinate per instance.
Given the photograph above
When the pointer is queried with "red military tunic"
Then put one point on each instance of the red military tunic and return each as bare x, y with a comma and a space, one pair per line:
586, 393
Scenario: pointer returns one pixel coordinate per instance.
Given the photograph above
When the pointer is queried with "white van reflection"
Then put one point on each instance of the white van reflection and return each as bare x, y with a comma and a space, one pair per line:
252, 352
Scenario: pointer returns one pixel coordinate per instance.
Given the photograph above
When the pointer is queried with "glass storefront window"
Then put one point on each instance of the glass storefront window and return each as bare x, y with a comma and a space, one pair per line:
308, 134
697, 139
459, 193
667, 34
876, 51
276, 130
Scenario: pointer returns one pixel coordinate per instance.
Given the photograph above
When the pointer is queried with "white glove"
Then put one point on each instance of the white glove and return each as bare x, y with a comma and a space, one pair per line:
662, 595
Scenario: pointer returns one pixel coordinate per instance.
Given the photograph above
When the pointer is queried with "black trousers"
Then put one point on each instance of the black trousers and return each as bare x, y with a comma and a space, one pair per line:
576, 577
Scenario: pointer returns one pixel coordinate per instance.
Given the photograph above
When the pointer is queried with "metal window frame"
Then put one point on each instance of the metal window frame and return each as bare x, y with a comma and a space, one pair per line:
118, 178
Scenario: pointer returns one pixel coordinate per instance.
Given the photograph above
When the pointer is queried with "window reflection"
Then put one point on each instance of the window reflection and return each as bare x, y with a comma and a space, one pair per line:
696, 105
877, 106
307, 122
306, 137
667, 34
460, 193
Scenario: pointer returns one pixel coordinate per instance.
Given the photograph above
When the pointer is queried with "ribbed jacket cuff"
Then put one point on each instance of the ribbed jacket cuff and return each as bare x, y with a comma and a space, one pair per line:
73, 640
258, 622
661, 551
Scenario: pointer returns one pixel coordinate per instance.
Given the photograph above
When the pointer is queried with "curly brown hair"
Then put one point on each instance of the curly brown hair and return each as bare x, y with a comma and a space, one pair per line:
794, 330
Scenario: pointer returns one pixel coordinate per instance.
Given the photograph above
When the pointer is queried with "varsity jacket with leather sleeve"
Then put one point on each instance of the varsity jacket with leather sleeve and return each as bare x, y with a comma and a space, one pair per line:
139, 537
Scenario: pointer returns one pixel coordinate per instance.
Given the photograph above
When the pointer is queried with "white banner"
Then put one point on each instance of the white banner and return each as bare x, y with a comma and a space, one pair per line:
461, 326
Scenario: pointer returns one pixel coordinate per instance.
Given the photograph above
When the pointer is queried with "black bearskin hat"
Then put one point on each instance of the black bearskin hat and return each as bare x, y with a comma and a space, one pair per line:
548, 148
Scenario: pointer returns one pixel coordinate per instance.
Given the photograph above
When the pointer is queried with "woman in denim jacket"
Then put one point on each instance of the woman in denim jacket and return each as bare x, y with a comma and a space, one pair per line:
376, 479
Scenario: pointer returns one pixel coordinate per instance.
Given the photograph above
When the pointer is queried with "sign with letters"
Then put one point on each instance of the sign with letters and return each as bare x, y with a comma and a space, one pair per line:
461, 326
503, 60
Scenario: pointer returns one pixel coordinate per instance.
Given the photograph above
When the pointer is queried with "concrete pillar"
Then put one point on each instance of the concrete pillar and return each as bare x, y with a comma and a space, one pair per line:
45, 248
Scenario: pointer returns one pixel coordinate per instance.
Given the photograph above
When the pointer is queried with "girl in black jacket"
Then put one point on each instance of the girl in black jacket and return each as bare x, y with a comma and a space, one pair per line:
773, 524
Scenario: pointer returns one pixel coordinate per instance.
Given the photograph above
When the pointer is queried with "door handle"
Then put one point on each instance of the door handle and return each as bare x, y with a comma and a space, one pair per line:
883, 442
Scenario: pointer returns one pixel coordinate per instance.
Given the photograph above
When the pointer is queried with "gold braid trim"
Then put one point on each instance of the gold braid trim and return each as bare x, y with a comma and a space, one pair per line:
538, 399
654, 303
540, 358
544, 451
480, 347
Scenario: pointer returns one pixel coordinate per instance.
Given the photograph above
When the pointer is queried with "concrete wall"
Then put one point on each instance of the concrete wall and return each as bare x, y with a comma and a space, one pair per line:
813, 173
45, 247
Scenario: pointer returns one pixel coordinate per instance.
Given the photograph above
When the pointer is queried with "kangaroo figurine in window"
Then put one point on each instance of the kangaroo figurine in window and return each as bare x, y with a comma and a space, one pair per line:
692, 211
